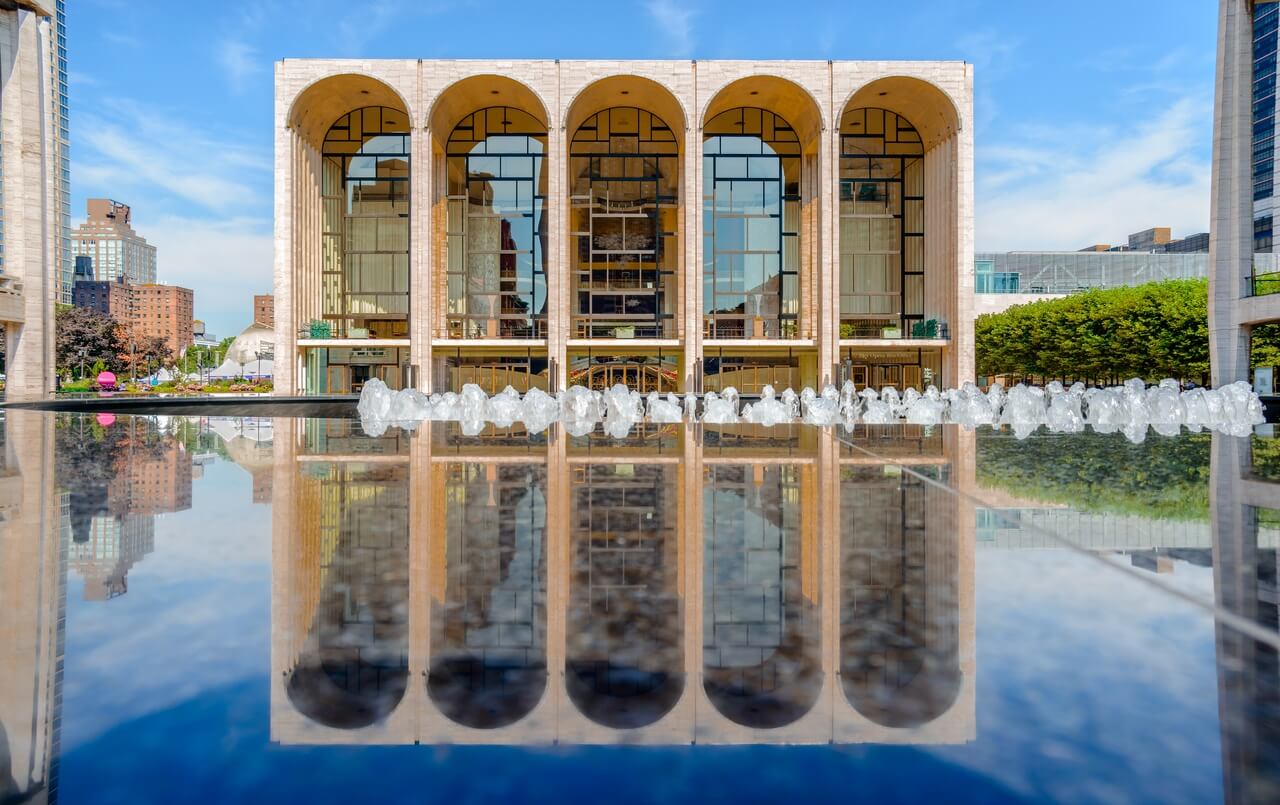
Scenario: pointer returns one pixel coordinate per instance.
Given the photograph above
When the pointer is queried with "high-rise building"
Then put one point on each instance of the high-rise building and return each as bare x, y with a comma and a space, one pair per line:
108, 298
107, 236
60, 144
264, 309
33, 180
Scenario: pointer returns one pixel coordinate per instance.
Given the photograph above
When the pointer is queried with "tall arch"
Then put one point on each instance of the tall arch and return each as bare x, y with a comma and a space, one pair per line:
900, 192
348, 262
760, 252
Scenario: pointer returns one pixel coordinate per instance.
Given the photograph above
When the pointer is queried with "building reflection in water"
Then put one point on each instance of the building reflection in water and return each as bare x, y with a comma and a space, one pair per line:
712, 584
1244, 580
624, 657
573, 589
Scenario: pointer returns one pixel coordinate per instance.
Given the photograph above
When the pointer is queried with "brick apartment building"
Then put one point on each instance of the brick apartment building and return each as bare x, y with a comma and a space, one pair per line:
166, 311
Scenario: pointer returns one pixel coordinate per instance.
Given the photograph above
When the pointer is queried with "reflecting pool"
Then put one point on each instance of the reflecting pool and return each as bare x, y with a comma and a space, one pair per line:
289, 609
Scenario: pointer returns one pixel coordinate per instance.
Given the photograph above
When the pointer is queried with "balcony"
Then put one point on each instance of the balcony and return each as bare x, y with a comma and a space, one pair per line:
894, 330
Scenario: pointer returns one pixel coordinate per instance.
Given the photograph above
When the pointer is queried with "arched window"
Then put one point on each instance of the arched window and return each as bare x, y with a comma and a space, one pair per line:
751, 210
625, 168
881, 225
365, 237
497, 226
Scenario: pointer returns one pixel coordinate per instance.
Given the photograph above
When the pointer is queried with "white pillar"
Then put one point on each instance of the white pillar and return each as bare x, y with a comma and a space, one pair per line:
1231, 205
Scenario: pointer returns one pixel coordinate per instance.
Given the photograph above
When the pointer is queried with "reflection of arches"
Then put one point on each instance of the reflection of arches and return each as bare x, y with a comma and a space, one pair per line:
900, 633
353, 669
761, 642
488, 666
625, 657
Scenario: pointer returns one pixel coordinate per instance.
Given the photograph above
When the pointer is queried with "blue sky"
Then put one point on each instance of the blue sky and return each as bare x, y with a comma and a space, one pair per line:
1093, 119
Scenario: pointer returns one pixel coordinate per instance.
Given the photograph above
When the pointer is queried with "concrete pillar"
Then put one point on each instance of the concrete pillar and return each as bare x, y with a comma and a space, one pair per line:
30, 219
1231, 204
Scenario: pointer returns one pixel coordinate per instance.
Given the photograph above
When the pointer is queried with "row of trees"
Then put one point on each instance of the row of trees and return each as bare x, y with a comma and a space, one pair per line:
1151, 331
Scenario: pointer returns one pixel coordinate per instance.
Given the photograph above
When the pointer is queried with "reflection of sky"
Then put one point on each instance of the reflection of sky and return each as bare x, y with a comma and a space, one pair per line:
197, 614
1091, 686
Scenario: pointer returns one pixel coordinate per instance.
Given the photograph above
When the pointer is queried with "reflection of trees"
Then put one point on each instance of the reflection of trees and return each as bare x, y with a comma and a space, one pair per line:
1163, 478
624, 654
488, 665
88, 457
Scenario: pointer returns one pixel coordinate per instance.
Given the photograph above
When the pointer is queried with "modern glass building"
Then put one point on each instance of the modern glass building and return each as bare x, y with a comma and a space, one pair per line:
1266, 28
670, 225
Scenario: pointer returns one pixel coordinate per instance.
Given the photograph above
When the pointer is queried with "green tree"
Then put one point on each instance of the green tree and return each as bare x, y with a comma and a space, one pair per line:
1150, 331
85, 337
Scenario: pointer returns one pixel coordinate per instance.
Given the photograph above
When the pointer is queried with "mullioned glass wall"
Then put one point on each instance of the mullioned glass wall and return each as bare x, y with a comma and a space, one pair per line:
497, 226
751, 226
365, 236
881, 225
625, 170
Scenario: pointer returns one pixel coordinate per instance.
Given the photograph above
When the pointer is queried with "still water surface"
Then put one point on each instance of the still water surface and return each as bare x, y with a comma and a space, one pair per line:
220, 609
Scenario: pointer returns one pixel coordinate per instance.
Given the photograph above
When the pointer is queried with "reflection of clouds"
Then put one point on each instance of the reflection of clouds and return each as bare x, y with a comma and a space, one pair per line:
197, 615
1084, 669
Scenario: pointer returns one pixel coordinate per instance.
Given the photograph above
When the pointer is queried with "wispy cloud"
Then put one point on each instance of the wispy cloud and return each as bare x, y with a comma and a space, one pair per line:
122, 39
676, 21
143, 150
240, 61
1065, 189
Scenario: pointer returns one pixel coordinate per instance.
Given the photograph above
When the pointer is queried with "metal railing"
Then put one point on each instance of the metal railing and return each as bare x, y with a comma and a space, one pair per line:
1264, 284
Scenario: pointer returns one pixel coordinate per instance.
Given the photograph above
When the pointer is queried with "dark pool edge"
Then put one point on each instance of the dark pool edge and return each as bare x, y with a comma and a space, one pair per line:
318, 406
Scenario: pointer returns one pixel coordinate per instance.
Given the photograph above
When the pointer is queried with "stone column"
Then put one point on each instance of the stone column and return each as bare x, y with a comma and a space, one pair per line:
1231, 204
30, 219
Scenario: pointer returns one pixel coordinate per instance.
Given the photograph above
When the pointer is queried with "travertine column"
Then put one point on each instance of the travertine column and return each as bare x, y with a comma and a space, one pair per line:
1231, 203
30, 220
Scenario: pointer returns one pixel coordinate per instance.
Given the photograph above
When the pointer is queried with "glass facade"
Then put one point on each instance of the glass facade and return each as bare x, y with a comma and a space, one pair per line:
751, 226
365, 189
345, 370
881, 225
625, 170
1266, 22
497, 226
1069, 272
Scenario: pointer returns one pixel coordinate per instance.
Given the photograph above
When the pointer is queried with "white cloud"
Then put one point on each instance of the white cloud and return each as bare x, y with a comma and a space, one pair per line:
1068, 188
240, 61
138, 150
676, 21
226, 262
